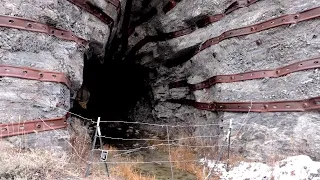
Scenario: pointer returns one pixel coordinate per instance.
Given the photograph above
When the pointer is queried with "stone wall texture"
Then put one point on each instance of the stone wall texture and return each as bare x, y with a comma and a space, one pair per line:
264, 134
22, 99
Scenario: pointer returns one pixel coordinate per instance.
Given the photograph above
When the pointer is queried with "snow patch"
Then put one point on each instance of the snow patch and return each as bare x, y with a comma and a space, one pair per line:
292, 168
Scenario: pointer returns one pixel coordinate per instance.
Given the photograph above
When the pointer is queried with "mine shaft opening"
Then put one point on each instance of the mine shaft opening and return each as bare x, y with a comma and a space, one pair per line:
117, 78
111, 90
115, 83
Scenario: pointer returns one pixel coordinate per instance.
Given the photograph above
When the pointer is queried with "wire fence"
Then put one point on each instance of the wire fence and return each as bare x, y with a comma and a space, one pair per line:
169, 143
164, 143
220, 144
109, 156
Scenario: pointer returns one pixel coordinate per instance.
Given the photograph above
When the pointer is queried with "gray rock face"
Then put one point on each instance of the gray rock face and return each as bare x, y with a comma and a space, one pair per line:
254, 135
21, 99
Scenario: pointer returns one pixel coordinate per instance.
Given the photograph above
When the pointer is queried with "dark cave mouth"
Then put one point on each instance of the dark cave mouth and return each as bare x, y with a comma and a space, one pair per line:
114, 83
111, 91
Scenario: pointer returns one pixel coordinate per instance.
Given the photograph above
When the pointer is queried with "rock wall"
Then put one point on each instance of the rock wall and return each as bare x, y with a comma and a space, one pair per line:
22, 99
264, 134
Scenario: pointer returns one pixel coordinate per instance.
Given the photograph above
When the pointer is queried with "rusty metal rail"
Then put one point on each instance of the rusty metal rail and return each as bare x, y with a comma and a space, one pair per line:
94, 10
116, 4
199, 23
276, 22
27, 127
276, 106
34, 74
209, 19
295, 67
31, 25
14, 129
170, 5
34, 126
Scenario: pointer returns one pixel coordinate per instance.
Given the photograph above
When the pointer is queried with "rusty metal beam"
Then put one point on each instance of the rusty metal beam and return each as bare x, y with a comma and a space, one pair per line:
94, 10
201, 22
276, 106
276, 22
272, 73
34, 74
27, 127
14, 129
115, 3
170, 5
31, 25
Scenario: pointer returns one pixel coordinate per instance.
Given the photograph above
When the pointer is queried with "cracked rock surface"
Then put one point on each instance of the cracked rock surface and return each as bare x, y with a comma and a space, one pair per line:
256, 135
21, 99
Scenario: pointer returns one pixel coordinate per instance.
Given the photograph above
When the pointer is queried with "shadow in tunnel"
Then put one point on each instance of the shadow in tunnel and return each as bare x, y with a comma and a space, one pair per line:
114, 89
111, 90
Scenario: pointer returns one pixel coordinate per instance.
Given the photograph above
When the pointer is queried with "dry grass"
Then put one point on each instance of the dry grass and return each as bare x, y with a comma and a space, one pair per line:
40, 164
80, 141
17, 163
35, 164
186, 154
82, 145
127, 171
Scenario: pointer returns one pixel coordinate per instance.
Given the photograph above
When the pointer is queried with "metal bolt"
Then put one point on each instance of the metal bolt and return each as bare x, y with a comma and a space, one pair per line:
259, 42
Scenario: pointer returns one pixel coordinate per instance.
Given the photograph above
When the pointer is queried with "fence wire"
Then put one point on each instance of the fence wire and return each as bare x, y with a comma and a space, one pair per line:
169, 143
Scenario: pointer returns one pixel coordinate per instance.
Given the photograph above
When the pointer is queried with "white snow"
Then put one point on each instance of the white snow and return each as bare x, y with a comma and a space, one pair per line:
292, 168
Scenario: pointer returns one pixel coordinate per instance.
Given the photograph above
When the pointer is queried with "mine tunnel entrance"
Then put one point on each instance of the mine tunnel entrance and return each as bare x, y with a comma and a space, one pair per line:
113, 82
111, 90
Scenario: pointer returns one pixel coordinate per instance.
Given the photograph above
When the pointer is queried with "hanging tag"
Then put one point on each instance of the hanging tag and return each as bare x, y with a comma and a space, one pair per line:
104, 155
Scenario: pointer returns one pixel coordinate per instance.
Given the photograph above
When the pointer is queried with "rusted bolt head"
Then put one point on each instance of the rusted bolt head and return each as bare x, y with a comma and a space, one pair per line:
259, 42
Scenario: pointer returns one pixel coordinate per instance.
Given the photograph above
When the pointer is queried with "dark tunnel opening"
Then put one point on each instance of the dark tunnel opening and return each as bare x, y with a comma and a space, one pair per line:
113, 80
110, 91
